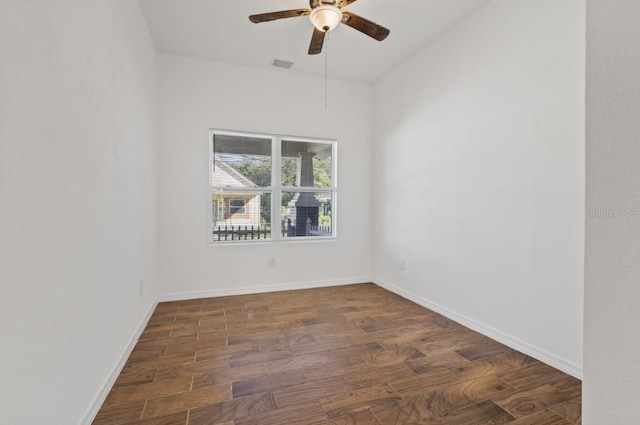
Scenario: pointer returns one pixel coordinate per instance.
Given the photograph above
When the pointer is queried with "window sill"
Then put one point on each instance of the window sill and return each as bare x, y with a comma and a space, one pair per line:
300, 240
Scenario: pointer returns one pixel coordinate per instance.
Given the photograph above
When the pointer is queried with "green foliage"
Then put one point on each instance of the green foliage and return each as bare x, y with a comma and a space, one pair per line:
322, 172
324, 220
289, 171
258, 172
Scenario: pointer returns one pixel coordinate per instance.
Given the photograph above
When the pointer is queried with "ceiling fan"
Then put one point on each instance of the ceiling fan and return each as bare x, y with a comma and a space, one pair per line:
325, 16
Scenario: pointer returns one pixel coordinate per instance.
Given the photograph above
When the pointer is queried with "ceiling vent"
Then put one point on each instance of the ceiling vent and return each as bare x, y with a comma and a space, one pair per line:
282, 64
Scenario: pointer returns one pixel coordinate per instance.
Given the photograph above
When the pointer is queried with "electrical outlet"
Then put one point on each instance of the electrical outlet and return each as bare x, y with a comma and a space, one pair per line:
272, 261
402, 265
141, 286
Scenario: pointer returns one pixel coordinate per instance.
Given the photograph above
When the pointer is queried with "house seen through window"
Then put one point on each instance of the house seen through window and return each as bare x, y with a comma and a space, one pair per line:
269, 187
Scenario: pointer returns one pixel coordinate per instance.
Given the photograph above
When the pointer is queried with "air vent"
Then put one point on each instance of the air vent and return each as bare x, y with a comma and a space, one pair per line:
282, 64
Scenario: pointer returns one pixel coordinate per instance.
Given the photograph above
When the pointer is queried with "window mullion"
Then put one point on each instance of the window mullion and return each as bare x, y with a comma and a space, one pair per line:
276, 192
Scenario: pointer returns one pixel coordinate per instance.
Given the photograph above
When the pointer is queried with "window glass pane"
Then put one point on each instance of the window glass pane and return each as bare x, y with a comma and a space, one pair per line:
307, 214
306, 164
240, 161
240, 216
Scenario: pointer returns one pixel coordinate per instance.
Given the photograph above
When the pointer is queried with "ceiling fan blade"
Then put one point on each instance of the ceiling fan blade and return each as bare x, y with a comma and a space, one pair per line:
365, 26
272, 16
345, 3
317, 41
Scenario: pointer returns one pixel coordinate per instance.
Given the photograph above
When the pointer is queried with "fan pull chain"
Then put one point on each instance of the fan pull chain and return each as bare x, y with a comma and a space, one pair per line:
326, 70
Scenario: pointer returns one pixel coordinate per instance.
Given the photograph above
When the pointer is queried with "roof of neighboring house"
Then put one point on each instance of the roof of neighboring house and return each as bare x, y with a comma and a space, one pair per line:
225, 175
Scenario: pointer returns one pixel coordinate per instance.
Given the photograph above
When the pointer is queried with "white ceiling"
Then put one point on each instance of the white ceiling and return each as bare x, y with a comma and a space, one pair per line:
220, 30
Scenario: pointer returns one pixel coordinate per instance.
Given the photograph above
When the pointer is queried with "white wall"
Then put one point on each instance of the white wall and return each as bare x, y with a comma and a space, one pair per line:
77, 200
197, 95
479, 176
612, 293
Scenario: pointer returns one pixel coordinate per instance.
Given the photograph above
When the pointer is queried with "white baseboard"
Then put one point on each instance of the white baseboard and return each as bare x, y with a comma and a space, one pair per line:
99, 398
508, 340
259, 289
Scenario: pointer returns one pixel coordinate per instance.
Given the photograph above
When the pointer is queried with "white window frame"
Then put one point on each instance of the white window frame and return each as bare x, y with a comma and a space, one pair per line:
276, 189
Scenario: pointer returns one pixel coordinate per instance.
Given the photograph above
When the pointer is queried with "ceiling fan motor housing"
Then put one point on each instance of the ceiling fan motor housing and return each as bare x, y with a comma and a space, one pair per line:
326, 17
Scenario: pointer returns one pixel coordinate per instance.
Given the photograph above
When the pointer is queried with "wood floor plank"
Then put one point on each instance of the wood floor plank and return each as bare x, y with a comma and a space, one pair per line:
477, 390
359, 350
409, 336
496, 365
146, 391
219, 376
290, 341
530, 376
308, 413
172, 326
132, 375
378, 375
160, 362
189, 369
484, 413
178, 418
420, 384
186, 400
232, 410
546, 417
120, 414
413, 409
253, 357
297, 362
568, 385
358, 418
435, 362
311, 391
347, 403
379, 322
528, 402
338, 368
190, 348
354, 354
481, 351
393, 356
320, 346
571, 411
268, 383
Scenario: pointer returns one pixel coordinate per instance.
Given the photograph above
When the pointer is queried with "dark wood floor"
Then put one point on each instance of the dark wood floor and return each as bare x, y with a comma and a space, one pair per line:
342, 355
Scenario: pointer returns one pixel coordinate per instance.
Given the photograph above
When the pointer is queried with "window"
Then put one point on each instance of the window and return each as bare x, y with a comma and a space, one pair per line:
236, 206
270, 187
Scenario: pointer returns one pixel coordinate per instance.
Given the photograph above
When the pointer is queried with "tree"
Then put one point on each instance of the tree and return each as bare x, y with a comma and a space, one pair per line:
259, 172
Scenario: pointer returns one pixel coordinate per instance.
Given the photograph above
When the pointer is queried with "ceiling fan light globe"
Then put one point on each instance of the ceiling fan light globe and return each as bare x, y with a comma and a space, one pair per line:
325, 17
